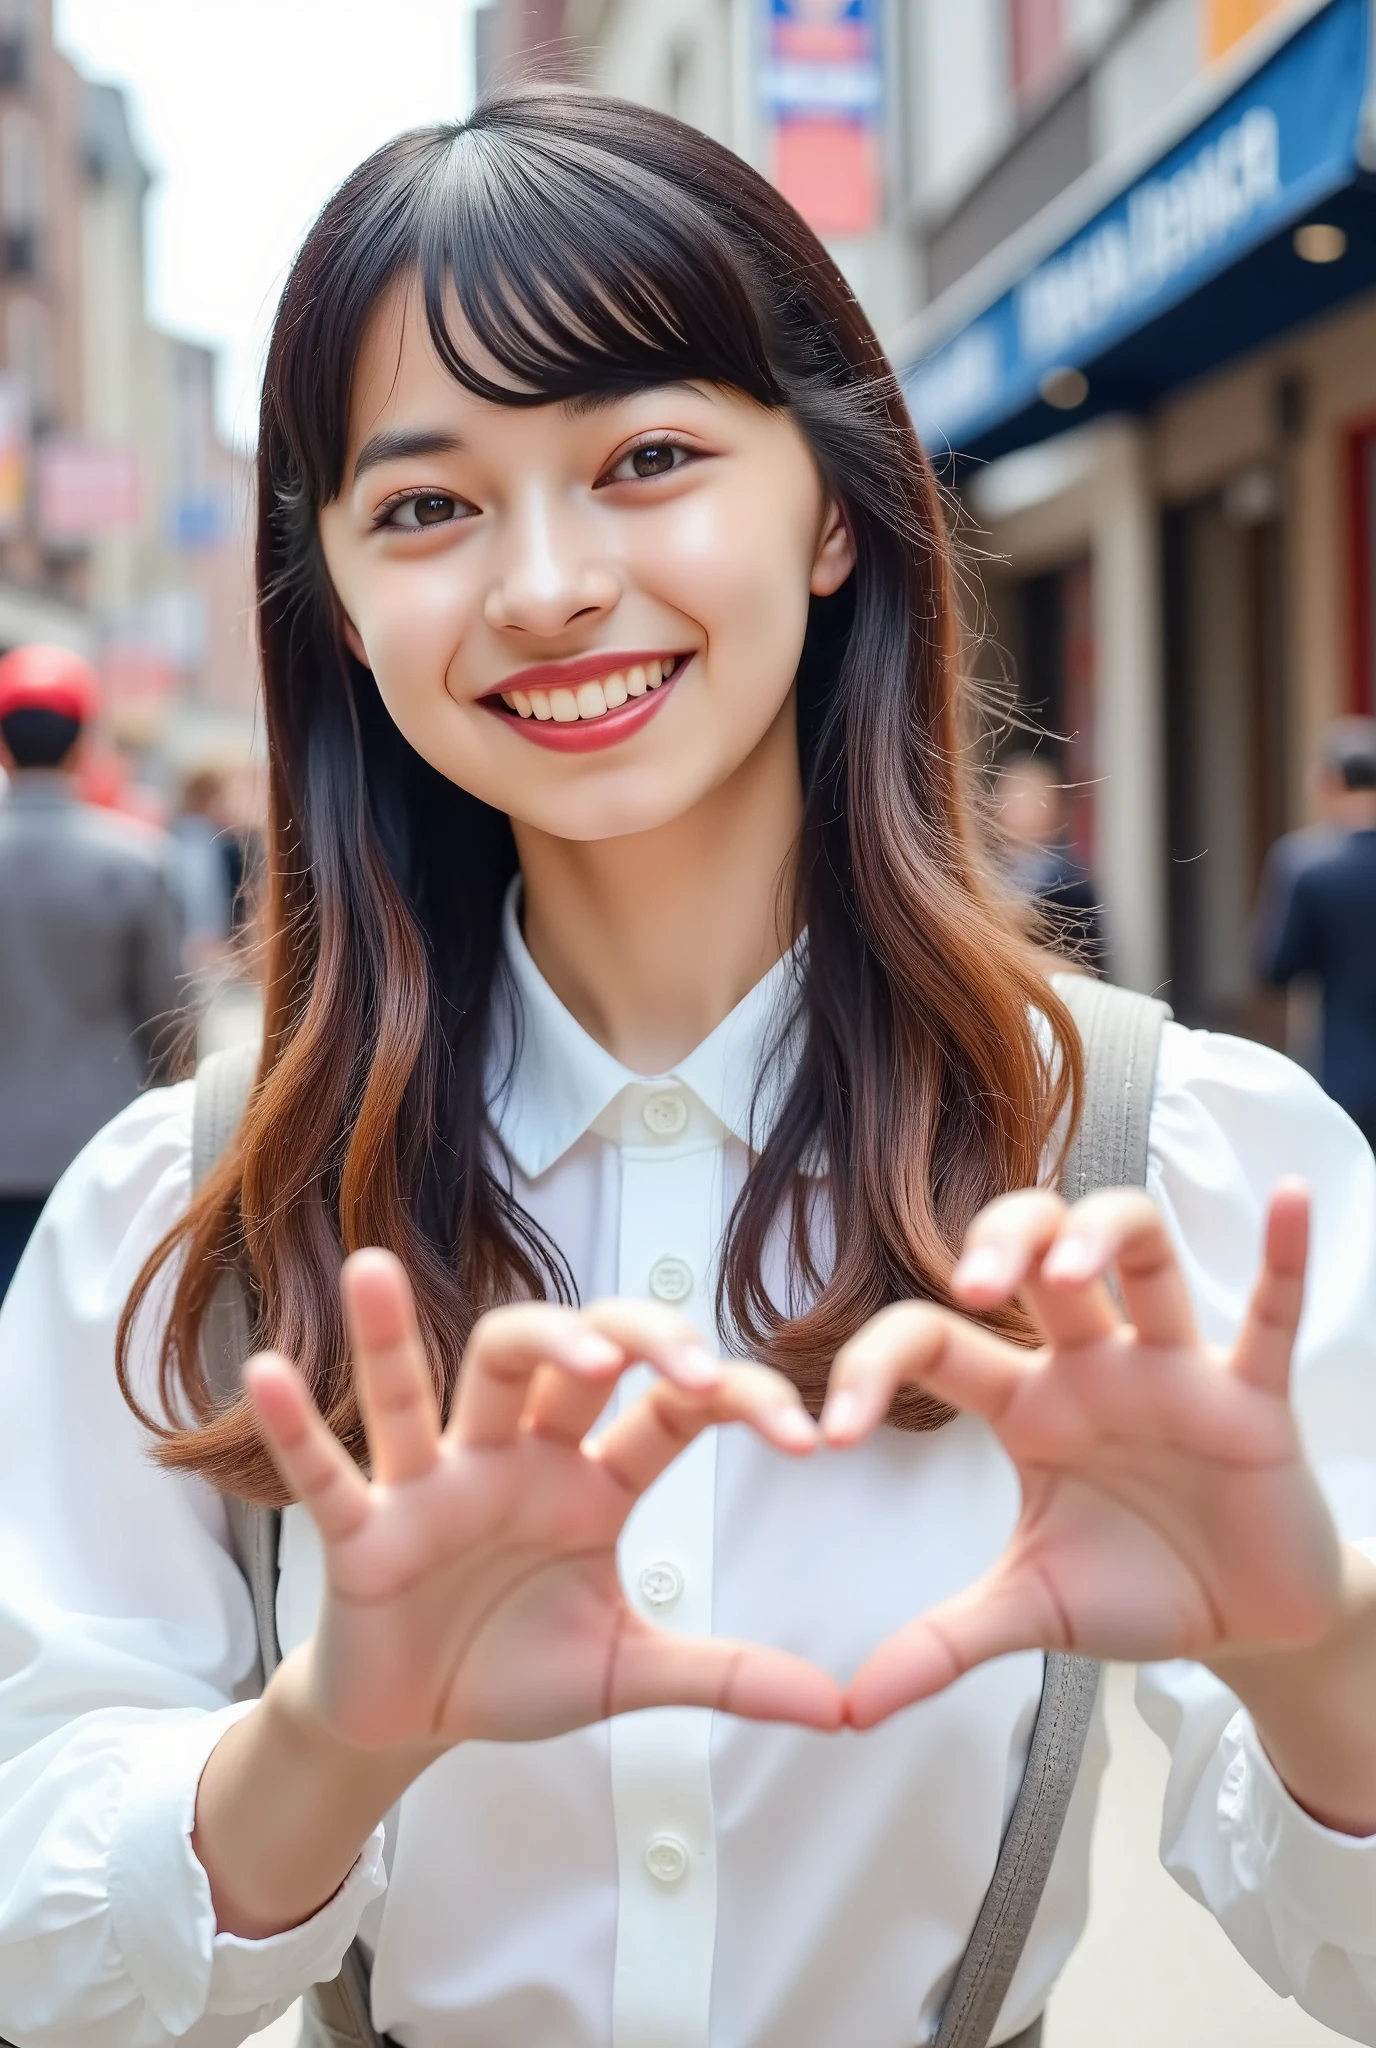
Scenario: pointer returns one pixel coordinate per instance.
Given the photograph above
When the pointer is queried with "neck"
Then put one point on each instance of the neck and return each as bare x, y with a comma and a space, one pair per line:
651, 939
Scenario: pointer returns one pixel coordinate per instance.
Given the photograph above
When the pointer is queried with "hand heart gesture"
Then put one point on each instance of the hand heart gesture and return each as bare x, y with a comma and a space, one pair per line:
471, 1588
1168, 1510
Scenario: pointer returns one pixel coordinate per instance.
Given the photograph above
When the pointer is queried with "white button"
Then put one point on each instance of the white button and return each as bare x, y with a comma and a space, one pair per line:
671, 1279
666, 1859
665, 1115
661, 1584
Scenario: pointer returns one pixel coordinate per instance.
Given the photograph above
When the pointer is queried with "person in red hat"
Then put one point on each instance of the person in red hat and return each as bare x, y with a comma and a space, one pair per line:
89, 931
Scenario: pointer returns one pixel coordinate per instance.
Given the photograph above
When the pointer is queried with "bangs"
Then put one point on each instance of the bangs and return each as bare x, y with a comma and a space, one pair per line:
576, 271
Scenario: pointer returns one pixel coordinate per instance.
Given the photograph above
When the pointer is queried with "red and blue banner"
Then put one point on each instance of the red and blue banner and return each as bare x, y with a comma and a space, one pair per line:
823, 91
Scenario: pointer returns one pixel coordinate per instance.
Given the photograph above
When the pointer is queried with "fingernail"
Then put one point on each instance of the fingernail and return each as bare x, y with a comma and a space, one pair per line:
844, 1412
1072, 1258
592, 1351
984, 1265
694, 1366
793, 1426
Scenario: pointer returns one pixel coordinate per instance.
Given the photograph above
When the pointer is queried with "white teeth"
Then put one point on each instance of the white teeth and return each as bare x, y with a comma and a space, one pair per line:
590, 700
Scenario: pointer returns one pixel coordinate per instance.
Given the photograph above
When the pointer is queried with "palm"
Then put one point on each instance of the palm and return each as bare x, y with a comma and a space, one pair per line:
481, 1600
471, 1586
1167, 1507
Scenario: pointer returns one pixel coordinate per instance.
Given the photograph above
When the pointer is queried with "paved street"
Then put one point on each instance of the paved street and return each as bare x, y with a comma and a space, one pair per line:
1154, 1970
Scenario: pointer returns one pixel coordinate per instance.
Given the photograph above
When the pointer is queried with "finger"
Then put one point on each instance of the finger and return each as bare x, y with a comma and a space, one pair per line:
315, 1467
1122, 1228
992, 1618
637, 1446
395, 1391
914, 1344
651, 1669
1004, 1255
659, 1337
1267, 1342
563, 1406
506, 1350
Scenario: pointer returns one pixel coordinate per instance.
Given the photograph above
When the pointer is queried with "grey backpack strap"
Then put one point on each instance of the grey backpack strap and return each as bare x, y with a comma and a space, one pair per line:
1121, 1034
223, 1082
338, 2014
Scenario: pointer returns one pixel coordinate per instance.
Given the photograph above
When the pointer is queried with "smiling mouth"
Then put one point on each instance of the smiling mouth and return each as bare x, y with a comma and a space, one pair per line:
584, 702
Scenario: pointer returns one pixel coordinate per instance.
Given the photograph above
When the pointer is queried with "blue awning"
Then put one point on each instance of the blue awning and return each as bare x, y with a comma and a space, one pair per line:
1186, 265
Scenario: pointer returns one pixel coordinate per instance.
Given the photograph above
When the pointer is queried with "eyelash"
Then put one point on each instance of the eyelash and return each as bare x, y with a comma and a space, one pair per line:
385, 514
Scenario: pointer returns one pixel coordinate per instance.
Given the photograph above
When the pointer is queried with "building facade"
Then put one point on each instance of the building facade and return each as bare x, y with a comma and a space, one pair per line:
1125, 262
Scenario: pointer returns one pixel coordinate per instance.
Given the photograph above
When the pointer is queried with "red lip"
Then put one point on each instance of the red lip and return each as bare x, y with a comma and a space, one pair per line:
589, 734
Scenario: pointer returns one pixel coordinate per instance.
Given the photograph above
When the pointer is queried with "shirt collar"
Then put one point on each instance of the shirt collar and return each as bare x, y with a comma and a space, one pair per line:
548, 1081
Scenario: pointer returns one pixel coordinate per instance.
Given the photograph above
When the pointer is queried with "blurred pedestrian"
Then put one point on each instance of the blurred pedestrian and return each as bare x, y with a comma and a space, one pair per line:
206, 890
89, 931
1030, 811
1328, 927
1346, 738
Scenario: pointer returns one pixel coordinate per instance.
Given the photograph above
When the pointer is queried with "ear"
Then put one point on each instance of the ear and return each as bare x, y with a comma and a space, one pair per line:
835, 556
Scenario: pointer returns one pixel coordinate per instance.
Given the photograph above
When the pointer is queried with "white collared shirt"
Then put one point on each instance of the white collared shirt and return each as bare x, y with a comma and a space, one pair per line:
674, 1879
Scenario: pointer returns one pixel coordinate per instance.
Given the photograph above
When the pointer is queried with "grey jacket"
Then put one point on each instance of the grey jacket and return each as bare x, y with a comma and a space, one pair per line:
89, 936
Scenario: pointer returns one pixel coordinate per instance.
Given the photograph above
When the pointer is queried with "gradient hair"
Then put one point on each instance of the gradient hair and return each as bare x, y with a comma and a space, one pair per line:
592, 246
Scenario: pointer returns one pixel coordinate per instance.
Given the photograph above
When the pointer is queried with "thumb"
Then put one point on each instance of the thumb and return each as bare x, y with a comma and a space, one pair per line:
651, 1669
1004, 1611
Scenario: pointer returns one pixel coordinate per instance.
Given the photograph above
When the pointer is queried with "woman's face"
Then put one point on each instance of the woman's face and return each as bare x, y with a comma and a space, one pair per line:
588, 614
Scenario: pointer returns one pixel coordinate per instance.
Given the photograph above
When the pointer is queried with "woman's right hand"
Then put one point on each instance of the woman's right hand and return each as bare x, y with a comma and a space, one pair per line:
471, 1587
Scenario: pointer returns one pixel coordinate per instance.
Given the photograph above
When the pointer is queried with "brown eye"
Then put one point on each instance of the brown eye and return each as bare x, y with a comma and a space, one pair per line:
428, 508
656, 459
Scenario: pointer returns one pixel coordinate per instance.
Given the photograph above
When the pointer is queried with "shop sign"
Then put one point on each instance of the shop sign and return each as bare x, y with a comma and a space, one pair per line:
1282, 141
14, 456
85, 488
822, 85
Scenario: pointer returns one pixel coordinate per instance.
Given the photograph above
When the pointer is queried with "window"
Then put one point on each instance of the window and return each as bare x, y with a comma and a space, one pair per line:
1037, 45
18, 25
1361, 558
30, 347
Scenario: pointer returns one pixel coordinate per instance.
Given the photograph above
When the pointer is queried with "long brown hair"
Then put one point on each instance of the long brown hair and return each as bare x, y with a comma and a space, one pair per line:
593, 245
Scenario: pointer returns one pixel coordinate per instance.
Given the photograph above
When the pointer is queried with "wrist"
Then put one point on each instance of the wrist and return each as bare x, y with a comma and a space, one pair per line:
1311, 1706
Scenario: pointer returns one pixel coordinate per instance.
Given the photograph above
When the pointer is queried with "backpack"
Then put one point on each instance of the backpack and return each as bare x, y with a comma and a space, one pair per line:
1120, 1033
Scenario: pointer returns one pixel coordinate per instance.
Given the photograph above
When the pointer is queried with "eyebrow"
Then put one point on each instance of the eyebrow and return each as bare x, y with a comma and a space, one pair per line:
401, 444
396, 444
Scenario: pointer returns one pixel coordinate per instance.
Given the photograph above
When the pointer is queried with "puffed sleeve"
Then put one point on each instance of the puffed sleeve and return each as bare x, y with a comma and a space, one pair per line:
126, 1644
1229, 1118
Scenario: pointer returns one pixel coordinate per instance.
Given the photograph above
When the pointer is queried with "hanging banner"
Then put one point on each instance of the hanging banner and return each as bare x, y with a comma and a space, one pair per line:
14, 457
823, 90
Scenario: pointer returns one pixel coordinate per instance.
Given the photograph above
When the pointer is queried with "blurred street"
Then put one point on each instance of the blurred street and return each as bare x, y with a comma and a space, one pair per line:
1122, 256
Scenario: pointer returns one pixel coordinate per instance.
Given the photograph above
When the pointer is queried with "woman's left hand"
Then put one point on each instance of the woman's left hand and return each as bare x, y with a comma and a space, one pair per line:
1168, 1510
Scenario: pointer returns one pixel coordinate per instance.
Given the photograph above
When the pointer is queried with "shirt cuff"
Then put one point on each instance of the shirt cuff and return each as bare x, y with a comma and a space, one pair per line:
160, 1900
1320, 1879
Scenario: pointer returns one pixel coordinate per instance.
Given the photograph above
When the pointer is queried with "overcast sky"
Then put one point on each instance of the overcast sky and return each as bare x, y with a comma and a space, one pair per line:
249, 112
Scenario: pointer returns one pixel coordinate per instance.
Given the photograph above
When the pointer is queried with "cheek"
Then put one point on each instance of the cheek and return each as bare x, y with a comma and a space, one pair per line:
412, 626
738, 564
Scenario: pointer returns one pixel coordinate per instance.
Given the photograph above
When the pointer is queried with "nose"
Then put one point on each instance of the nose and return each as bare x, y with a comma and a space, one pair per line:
549, 574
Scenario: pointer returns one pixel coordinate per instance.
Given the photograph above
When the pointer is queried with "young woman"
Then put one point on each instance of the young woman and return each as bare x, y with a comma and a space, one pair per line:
629, 938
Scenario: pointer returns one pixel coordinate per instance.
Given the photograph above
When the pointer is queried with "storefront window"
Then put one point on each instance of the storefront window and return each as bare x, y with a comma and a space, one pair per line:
1056, 688
1361, 521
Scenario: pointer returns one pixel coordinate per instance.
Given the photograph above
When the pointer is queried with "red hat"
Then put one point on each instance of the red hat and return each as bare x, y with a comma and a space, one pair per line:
40, 678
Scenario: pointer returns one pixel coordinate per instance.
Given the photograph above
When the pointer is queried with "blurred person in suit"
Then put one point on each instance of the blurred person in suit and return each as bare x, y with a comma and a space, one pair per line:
1029, 810
1327, 925
89, 939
